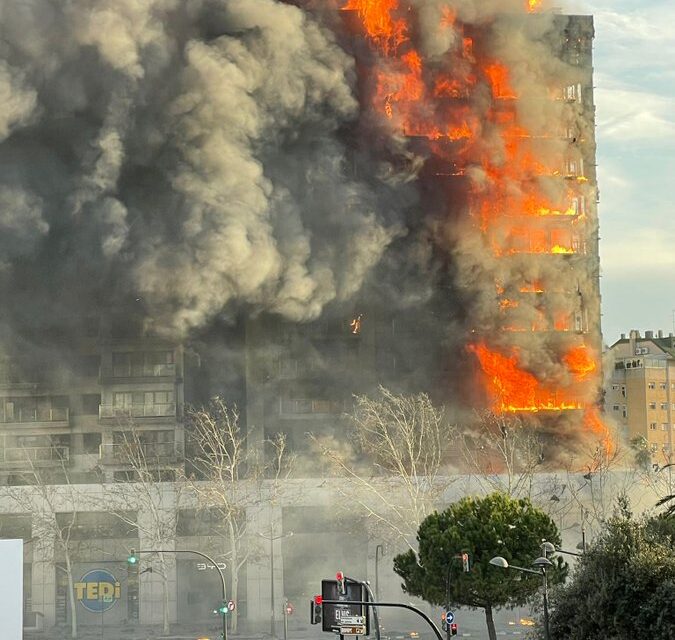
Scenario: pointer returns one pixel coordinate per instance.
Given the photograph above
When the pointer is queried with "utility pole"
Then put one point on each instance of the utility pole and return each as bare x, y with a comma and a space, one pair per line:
272, 538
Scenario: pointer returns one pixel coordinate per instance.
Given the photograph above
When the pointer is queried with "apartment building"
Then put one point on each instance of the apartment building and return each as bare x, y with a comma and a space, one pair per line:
640, 394
69, 410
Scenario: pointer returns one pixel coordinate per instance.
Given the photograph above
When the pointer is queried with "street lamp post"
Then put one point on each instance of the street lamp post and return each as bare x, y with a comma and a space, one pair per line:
132, 560
668, 466
548, 548
272, 538
542, 564
379, 553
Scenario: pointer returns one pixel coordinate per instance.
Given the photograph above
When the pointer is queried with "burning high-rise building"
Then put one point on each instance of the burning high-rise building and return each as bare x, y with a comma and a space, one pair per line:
495, 106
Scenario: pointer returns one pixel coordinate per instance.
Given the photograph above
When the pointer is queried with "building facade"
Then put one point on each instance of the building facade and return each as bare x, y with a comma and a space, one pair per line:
640, 395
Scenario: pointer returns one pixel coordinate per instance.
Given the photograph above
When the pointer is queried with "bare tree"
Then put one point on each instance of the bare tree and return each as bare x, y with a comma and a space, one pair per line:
233, 479
503, 453
54, 517
149, 501
396, 464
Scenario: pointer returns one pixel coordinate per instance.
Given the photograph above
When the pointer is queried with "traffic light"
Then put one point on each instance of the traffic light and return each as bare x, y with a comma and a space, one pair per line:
340, 577
452, 629
222, 609
133, 558
316, 610
465, 562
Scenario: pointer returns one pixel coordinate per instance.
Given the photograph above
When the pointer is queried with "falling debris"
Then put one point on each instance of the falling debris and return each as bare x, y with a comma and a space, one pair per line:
355, 325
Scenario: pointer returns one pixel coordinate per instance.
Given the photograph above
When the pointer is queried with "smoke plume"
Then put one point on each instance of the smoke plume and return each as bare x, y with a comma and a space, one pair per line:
185, 155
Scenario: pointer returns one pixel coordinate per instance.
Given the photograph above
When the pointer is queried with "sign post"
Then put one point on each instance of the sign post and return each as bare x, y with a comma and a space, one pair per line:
133, 559
288, 610
341, 615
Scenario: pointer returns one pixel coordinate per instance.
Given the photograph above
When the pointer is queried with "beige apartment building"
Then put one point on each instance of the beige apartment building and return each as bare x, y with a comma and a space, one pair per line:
641, 391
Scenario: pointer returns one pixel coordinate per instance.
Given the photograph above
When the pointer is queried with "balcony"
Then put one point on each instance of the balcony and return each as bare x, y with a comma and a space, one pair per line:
56, 416
134, 372
166, 410
151, 453
35, 456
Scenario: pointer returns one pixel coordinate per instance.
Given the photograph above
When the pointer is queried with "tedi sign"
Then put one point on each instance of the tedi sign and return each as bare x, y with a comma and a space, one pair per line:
97, 591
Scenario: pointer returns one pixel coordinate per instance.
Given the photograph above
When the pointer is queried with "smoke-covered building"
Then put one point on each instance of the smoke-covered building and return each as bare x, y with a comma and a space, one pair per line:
285, 204
71, 407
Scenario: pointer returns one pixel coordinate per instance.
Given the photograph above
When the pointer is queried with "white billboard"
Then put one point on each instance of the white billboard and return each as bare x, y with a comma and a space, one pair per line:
11, 589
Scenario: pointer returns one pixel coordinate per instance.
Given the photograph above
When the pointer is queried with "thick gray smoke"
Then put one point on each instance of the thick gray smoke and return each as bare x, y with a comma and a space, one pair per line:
183, 155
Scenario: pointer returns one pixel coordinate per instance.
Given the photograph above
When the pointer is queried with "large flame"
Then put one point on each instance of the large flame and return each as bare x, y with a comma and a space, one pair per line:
512, 389
490, 144
386, 32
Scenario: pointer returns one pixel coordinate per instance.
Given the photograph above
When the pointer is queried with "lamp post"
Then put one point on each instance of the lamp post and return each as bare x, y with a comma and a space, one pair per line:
272, 538
379, 553
668, 466
133, 559
541, 564
548, 548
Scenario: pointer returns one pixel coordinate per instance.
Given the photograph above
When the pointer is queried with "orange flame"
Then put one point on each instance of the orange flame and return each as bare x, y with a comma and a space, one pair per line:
533, 5
580, 362
376, 15
533, 287
513, 390
594, 423
498, 75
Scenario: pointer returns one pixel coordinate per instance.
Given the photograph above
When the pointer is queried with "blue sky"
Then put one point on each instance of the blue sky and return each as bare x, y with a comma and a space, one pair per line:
635, 97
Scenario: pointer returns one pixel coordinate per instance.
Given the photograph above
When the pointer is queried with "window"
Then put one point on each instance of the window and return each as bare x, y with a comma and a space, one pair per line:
89, 365
652, 405
126, 399
574, 167
615, 387
90, 402
625, 411
615, 407
91, 442
572, 92
664, 426
664, 406
652, 426
662, 385
139, 364
654, 447
579, 205
307, 405
652, 385
623, 390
